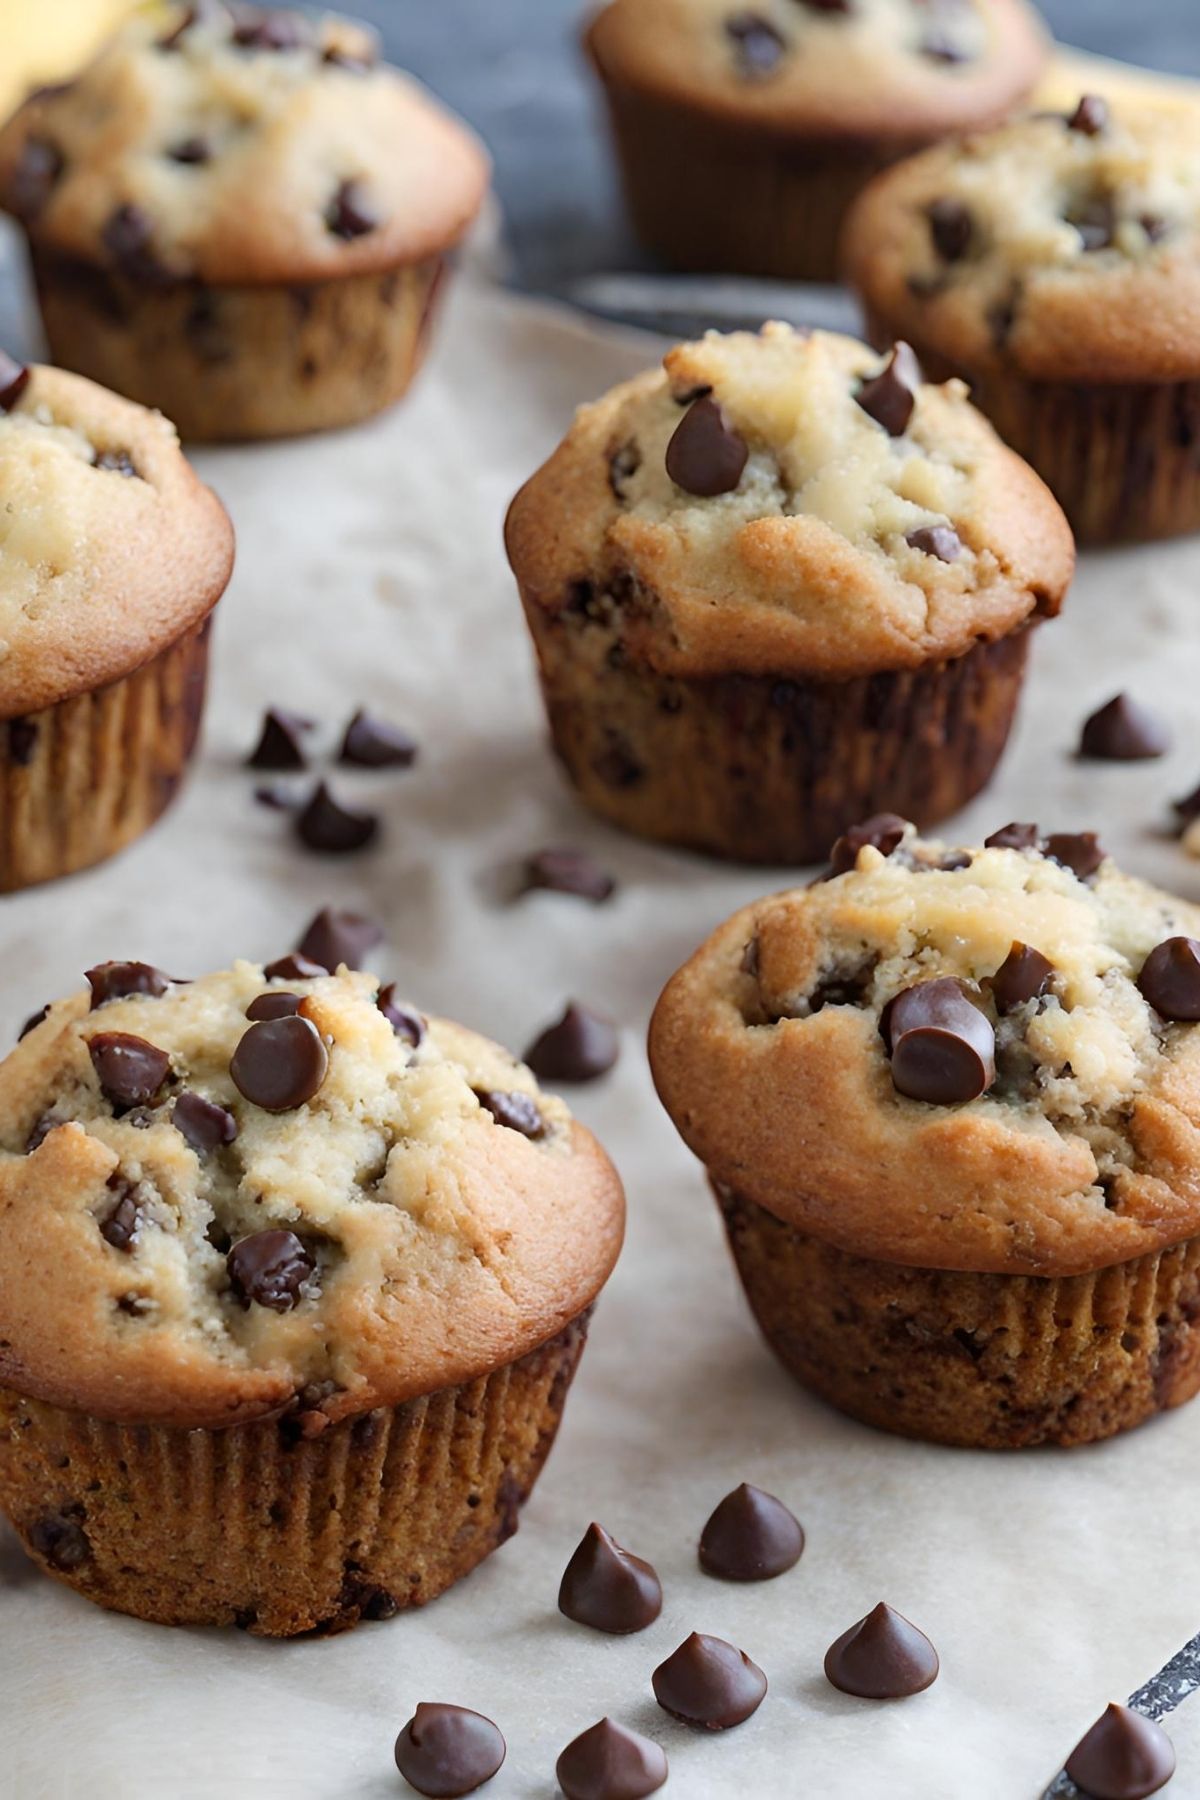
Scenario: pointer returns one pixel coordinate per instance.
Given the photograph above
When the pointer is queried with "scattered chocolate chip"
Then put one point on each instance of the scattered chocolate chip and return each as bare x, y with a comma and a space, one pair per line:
1024, 975
623, 465
406, 1023
60, 1542
202, 1124
191, 151
1080, 851
1123, 731
517, 1112
1124, 1756
950, 227
1014, 837
1170, 979
561, 870
275, 1005
280, 744
447, 1751
330, 828
607, 1762
1095, 219
116, 462
884, 833
119, 1227
35, 177
609, 1588
14, 379
294, 968
130, 1070
883, 1657
33, 1021
118, 980
708, 1682
280, 1064
760, 48
580, 1047
941, 541
350, 213
942, 1047
891, 396
706, 456
751, 1536
335, 937
22, 741
1090, 116
372, 743
269, 1268
254, 30
128, 236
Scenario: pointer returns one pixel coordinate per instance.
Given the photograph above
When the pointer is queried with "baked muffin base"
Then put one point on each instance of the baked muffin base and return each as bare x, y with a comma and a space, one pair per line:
280, 1534
81, 780
989, 1361
226, 363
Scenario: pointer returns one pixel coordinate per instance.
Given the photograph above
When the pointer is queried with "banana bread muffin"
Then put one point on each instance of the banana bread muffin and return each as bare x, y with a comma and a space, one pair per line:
779, 585
744, 132
242, 217
950, 1104
112, 557
293, 1283
1055, 263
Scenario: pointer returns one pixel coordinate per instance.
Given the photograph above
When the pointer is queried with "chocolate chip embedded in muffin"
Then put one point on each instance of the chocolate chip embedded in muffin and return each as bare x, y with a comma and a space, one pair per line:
35, 177
118, 980
706, 455
351, 213
1124, 731
129, 238
883, 1657
941, 541
760, 47
1024, 975
707, 1682
274, 1005
121, 1224
1079, 851
890, 397
1170, 978
515, 1111
449, 1750
294, 968
280, 1064
942, 1046
116, 462
130, 1070
951, 227
1016, 836
408, 1025
609, 1588
270, 1268
14, 379
192, 152
1090, 116
203, 1124
885, 833
272, 31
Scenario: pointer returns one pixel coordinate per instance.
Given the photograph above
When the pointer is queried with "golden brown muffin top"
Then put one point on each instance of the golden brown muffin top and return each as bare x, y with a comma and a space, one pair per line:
110, 547
789, 503
214, 1206
1064, 245
982, 1060
240, 145
831, 70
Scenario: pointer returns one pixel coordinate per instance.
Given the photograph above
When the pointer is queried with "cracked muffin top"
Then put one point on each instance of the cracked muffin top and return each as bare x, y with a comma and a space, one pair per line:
983, 1059
1064, 245
828, 69
235, 144
110, 546
280, 1190
789, 503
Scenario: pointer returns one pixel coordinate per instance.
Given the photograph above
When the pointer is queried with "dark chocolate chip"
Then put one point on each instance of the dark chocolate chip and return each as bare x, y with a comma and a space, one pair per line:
1155, 228
130, 1070
883, 1657
1079, 851
116, 462
120, 1226
118, 980
447, 1751
269, 1268
1188, 808
751, 957
191, 151
372, 743
22, 741
1090, 116
1095, 219
950, 227
335, 937
330, 828
406, 1023
350, 213
517, 1112
254, 30
1125, 1756
609, 1588
943, 1048
294, 968
607, 1762
60, 1542
1170, 979
884, 833
32, 1022
1015, 837
708, 1682
751, 1536
280, 1064
562, 870
706, 456
128, 236
35, 177
941, 541
1123, 731
275, 1005
828, 6
14, 379
623, 465
202, 1124
1024, 975
581, 1046
760, 48
891, 396
280, 743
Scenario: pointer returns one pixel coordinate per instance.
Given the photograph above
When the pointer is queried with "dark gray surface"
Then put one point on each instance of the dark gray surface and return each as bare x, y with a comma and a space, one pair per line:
513, 68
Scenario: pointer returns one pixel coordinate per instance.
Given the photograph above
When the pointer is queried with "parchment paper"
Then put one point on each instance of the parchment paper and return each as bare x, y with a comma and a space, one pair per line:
370, 569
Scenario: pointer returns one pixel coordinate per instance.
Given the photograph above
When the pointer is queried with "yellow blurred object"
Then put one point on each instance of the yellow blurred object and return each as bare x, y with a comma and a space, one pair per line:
47, 40
1074, 72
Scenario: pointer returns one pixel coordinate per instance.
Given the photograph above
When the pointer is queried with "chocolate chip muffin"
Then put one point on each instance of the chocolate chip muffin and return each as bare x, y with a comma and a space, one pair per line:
949, 1101
242, 217
778, 585
1055, 263
744, 133
293, 1283
112, 558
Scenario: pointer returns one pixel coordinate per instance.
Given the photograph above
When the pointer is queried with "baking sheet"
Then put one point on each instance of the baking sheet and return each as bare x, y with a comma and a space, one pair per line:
370, 570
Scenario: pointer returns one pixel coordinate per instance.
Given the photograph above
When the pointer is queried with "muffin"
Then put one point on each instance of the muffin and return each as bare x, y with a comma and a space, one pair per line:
112, 557
744, 133
293, 1283
780, 585
949, 1101
241, 217
1055, 263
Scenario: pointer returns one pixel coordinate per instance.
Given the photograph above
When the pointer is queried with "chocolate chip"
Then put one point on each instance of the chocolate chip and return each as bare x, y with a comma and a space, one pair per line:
708, 1682
446, 1751
1090, 116
118, 980
350, 213
1155, 228
191, 151
372, 743
41, 1131
22, 741
1123, 731
1124, 1756
561, 870
828, 6
269, 1268
254, 30
407, 1024
760, 48
751, 1536
1188, 808
294, 968
1080, 851
606, 1762
942, 1047
609, 1588
1095, 219
280, 743
950, 227
35, 177
580, 1047
60, 1542
884, 833
14, 379
891, 396
517, 1112
883, 1657
201, 1123
130, 1070
120, 1226
335, 937
706, 456
1024, 975
1170, 979
128, 236
330, 828
941, 541
280, 1064
33, 1021
623, 465
276, 1005
1015, 837
116, 462
355, 61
